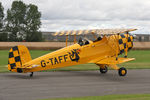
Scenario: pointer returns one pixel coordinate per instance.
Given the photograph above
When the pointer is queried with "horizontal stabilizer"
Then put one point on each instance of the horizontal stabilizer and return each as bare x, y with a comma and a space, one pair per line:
28, 66
113, 60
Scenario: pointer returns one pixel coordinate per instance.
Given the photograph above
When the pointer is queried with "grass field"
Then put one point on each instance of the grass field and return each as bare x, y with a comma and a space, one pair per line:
142, 60
110, 97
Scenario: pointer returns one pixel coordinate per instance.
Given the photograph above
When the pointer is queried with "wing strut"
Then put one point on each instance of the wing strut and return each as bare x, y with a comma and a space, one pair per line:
75, 38
117, 46
126, 50
66, 40
93, 33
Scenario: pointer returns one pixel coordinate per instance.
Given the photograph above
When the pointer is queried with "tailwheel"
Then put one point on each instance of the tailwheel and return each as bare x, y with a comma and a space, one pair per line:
31, 74
103, 70
122, 71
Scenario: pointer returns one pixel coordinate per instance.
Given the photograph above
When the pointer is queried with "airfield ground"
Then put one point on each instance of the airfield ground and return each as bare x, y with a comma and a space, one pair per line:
65, 84
77, 81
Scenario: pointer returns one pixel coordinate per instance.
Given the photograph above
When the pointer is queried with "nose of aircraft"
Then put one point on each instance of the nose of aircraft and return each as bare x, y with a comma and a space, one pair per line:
125, 41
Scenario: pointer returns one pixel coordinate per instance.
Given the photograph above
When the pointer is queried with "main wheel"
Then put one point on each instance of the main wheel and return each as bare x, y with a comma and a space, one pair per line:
103, 70
122, 71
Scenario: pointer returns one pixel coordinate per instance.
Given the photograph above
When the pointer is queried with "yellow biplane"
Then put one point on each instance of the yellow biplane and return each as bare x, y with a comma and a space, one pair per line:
103, 51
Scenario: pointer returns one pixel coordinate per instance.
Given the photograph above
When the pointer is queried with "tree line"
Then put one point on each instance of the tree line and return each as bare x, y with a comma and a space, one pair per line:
21, 23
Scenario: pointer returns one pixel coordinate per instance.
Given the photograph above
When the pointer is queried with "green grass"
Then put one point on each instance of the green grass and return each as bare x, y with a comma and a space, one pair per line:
142, 60
109, 97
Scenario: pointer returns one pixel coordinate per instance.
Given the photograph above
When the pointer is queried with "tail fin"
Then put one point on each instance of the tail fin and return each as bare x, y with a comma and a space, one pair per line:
18, 55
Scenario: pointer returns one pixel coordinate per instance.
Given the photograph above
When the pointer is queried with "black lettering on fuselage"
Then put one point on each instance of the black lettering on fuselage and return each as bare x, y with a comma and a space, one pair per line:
60, 58
51, 59
43, 64
56, 61
65, 57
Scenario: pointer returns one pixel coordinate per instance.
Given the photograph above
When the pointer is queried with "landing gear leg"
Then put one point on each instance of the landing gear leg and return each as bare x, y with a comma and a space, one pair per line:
121, 71
31, 74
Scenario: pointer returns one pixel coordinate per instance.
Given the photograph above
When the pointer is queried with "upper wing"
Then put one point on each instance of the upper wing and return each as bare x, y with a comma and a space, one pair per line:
97, 31
113, 60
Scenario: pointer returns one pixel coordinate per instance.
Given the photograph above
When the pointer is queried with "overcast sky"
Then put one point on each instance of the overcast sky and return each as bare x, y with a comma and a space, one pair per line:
91, 14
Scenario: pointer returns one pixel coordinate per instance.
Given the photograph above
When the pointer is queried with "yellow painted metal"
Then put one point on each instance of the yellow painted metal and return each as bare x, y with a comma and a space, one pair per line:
123, 72
62, 33
24, 54
68, 32
102, 52
66, 40
112, 60
116, 46
126, 49
18, 56
56, 33
75, 39
114, 67
80, 32
97, 31
73, 32
101, 66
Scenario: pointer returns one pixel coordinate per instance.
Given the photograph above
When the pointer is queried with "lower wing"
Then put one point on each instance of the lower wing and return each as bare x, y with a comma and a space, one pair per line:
113, 60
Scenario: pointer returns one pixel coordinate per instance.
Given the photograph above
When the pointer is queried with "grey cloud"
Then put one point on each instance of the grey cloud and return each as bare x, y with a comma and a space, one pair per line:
77, 14
98, 10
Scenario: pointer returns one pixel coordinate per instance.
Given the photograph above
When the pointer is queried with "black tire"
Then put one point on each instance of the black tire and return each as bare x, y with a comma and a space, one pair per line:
122, 71
103, 70
31, 74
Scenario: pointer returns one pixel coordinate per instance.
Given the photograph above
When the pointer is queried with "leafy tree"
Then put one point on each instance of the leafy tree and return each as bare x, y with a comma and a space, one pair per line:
33, 23
23, 22
15, 21
3, 35
1, 16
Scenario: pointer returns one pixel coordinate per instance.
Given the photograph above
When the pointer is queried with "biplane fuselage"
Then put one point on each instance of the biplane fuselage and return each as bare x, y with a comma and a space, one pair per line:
102, 51
72, 55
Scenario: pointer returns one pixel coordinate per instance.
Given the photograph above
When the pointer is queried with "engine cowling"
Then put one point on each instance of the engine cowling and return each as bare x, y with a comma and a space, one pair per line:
125, 42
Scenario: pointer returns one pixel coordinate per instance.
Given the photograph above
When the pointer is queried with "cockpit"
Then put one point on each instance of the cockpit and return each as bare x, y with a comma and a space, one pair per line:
98, 39
85, 41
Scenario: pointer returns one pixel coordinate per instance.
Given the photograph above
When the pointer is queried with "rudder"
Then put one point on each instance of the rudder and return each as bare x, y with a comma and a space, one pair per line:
18, 56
